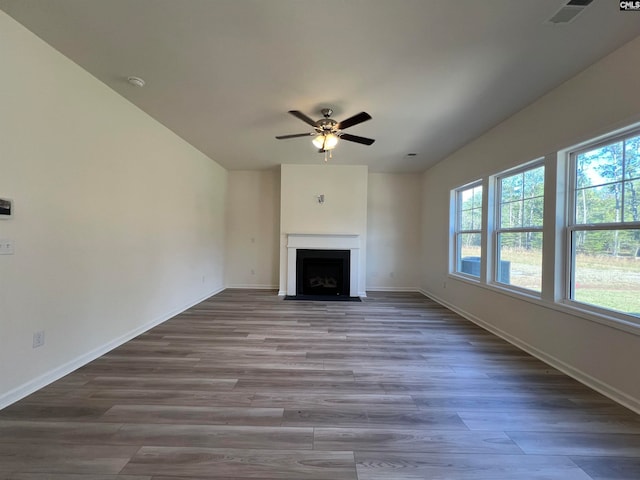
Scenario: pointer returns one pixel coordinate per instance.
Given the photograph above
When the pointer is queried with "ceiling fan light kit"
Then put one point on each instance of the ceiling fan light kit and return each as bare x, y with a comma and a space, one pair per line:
328, 131
326, 141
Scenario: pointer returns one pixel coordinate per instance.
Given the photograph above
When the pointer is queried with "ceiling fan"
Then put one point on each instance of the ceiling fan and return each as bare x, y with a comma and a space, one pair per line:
327, 131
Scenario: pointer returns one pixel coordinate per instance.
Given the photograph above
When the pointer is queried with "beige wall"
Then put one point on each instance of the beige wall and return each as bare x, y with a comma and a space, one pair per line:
118, 224
253, 229
599, 100
393, 231
253, 219
343, 212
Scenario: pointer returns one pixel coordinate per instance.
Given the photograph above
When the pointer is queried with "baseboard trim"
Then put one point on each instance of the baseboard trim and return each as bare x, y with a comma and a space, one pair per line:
393, 289
57, 373
605, 389
253, 287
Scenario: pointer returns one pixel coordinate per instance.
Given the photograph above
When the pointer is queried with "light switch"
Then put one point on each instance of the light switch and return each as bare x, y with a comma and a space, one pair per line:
6, 246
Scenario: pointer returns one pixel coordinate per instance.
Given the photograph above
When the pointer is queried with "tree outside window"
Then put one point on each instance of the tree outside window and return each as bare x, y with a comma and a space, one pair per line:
604, 231
519, 228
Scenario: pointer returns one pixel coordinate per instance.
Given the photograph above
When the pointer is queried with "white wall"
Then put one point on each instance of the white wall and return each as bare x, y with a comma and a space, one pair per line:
343, 212
393, 231
253, 219
253, 229
600, 99
118, 225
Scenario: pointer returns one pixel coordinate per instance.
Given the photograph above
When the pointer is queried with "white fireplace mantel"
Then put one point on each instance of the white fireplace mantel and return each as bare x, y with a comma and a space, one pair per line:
323, 241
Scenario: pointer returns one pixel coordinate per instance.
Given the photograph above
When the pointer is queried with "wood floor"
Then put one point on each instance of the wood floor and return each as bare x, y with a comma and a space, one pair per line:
248, 386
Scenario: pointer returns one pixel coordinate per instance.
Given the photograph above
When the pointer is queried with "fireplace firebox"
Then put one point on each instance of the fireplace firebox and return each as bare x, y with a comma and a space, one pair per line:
323, 272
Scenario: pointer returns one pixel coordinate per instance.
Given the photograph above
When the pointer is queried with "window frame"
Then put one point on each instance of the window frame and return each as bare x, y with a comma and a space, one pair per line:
571, 225
497, 229
455, 263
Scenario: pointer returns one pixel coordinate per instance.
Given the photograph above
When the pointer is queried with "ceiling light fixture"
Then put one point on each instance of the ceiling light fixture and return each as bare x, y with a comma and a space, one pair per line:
328, 131
325, 141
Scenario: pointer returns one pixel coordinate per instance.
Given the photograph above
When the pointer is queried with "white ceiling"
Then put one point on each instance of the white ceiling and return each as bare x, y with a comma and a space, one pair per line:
433, 74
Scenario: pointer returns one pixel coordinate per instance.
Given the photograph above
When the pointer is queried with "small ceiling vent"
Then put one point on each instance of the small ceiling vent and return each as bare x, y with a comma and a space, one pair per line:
569, 12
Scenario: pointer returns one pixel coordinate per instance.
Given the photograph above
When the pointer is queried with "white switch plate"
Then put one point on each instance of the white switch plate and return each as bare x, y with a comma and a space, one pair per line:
38, 339
6, 246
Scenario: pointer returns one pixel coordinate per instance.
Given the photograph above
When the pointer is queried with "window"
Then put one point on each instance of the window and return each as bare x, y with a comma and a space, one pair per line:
589, 240
604, 225
518, 240
468, 229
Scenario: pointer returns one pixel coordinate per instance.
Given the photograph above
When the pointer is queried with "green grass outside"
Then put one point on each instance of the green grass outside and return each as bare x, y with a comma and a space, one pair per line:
627, 301
604, 281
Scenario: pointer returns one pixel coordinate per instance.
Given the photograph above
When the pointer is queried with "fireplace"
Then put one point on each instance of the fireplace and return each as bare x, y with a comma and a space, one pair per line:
322, 244
323, 272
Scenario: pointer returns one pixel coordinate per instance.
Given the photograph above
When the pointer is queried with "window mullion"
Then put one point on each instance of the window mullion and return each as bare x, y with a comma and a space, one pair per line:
605, 226
486, 241
519, 230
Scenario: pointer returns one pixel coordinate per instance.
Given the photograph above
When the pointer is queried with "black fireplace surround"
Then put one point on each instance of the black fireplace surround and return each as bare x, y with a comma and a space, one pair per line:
323, 272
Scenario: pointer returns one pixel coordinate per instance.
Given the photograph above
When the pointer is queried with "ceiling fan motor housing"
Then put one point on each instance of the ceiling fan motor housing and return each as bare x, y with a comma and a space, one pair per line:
325, 125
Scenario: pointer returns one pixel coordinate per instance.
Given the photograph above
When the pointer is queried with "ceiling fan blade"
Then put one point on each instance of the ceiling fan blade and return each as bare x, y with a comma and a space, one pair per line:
356, 119
303, 117
295, 135
357, 139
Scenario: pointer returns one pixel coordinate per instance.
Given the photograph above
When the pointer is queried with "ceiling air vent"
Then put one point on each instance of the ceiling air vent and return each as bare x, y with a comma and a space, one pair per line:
569, 12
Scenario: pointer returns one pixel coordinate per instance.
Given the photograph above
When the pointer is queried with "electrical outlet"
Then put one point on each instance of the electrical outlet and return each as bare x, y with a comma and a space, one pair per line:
38, 339
6, 246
